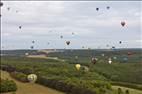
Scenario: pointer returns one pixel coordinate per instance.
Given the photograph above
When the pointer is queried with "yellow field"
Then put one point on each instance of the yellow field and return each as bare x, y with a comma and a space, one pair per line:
29, 88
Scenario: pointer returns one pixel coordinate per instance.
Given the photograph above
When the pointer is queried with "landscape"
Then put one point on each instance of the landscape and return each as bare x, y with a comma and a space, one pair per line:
71, 47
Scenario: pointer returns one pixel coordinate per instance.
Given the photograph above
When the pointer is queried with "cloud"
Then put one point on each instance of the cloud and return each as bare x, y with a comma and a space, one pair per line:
47, 20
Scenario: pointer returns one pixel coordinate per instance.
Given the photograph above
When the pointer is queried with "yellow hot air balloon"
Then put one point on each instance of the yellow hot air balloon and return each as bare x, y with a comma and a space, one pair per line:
32, 78
77, 66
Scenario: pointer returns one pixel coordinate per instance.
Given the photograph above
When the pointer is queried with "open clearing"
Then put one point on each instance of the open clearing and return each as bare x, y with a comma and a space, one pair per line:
28, 88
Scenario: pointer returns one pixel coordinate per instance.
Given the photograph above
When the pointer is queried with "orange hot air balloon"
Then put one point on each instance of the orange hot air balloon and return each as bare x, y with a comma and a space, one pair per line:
68, 42
123, 23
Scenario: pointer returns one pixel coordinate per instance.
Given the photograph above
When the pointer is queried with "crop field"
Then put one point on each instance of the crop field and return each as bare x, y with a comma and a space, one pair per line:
101, 78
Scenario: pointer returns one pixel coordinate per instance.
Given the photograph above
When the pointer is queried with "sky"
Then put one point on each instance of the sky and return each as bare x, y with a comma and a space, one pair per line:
45, 21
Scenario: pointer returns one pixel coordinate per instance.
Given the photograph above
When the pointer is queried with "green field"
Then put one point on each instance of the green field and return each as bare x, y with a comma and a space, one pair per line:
99, 77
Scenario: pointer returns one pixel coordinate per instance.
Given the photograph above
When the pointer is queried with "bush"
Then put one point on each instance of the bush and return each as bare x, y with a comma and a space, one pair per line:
7, 86
19, 76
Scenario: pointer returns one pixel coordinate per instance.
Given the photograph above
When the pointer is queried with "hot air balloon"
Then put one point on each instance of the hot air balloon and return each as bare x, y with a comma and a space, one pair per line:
61, 36
76, 57
93, 60
123, 23
108, 7
1, 4
103, 54
26, 54
125, 58
16, 11
33, 41
32, 47
129, 53
114, 57
8, 8
32, 78
120, 42
78, 66
85, 68
72, 33
97, 9
109, 61
68, 42
113, 47
20, 27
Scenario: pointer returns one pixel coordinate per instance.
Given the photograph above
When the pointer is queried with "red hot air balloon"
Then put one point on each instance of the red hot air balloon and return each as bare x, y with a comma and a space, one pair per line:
123, 23
68, 42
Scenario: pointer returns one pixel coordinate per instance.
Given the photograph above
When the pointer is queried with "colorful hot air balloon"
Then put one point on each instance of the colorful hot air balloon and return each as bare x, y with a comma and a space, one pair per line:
93, 60
68, 42
123, 23
78, 66
32, 78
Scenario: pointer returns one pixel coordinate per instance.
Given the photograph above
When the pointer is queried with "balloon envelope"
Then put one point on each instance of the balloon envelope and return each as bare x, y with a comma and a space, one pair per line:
94, 60
1, 4
68, 42
123, 23
97, 9
77, 66
32, 77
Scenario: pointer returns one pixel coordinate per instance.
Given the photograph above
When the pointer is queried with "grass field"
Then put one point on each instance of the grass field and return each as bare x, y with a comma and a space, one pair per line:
27, 88
129, 72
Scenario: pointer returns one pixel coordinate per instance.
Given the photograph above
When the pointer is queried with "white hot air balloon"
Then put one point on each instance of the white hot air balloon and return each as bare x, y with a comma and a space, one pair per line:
32, 78
109, 61
26, 54
78, 66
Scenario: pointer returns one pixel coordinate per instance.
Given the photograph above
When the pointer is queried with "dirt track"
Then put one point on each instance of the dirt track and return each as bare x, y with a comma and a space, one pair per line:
29, 88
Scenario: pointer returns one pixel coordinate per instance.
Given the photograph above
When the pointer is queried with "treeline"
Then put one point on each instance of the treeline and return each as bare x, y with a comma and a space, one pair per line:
74, 86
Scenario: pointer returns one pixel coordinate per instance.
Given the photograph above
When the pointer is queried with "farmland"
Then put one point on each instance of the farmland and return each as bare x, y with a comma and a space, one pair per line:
58, 73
